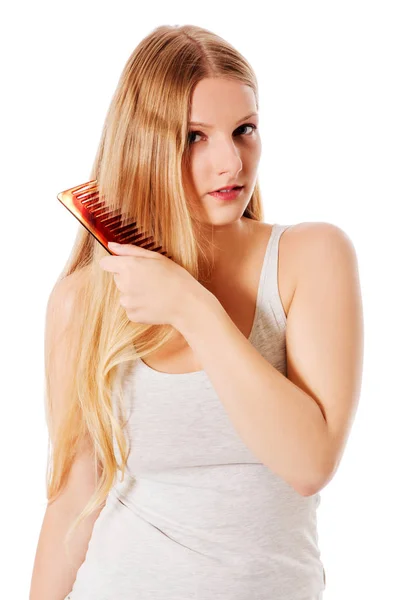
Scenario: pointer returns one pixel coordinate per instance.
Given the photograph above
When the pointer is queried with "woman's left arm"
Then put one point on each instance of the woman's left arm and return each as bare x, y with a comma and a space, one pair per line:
296, 425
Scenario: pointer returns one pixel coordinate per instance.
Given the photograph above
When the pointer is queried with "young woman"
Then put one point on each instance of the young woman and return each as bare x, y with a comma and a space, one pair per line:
197, 404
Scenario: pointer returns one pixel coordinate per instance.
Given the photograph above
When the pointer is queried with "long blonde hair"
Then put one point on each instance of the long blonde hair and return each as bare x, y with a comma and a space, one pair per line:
142, 167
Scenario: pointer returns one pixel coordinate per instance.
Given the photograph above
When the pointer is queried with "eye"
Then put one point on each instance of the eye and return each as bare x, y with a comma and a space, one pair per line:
194, 133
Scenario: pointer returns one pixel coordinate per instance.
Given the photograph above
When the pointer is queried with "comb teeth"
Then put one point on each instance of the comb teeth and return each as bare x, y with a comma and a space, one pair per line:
104, 224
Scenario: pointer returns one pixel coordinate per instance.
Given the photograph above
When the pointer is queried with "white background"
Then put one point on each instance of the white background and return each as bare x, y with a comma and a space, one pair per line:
329, 119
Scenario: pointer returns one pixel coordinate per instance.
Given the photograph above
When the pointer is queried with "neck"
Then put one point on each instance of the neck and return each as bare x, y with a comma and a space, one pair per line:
228, 248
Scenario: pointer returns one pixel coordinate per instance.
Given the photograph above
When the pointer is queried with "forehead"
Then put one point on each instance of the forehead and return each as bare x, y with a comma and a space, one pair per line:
219, 100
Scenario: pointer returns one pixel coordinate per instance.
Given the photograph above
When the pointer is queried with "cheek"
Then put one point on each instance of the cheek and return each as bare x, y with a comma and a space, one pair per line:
252, 158
259, 148
254, 151
198, 169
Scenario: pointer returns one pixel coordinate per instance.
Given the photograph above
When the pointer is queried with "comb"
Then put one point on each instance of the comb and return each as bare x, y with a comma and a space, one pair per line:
104, 224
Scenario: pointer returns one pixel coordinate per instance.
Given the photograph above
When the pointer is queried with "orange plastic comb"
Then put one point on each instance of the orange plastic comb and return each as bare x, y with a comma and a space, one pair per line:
105, 225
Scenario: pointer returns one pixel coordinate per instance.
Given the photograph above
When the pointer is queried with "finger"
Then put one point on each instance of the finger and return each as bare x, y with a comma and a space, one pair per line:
106, 264
130, 250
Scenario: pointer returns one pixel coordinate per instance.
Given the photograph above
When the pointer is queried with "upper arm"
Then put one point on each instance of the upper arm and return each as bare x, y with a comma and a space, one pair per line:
54, 570
60, 355
324, 333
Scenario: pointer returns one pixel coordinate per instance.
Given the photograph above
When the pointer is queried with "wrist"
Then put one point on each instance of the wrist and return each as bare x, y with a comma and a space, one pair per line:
195, 304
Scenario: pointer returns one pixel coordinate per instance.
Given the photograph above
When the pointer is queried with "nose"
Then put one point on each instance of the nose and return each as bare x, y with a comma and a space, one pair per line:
227, 157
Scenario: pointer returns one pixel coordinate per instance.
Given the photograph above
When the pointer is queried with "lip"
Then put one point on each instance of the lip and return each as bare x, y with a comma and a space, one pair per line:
228, 187
224, 196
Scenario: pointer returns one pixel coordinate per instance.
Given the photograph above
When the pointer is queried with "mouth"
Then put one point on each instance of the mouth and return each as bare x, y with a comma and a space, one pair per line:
232, 193
227, 189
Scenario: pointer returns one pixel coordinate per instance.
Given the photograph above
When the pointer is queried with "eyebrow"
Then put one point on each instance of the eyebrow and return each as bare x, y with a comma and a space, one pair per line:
210, 126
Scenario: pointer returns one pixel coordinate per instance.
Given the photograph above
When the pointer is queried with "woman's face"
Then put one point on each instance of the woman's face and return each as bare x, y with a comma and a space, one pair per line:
227, 151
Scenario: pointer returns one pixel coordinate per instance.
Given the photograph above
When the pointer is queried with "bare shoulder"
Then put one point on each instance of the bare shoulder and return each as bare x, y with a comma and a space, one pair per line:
303, 247
62, 298
70, 284
311, 232
309, 244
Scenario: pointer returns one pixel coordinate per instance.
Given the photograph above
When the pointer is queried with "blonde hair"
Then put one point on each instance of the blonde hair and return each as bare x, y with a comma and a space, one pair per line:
142, 168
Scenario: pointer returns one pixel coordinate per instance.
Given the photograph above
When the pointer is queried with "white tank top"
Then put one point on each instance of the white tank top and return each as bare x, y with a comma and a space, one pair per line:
198, 516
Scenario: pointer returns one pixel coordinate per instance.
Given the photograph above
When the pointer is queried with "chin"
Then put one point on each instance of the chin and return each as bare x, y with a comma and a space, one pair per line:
226, 217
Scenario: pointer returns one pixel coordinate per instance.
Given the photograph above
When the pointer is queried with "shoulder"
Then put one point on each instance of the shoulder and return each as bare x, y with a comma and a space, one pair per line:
309, 252
72, 283
62, 299
305, 236
314, 246
311, 233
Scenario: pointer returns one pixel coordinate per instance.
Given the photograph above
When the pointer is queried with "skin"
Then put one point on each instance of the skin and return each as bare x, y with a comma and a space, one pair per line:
298, 424
223, 154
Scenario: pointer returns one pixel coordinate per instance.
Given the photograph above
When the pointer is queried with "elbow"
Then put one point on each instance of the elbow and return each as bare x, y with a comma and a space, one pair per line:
318, 482
309, 490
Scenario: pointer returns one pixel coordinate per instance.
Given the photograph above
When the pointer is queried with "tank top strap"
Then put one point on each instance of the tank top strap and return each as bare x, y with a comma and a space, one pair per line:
270, 298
